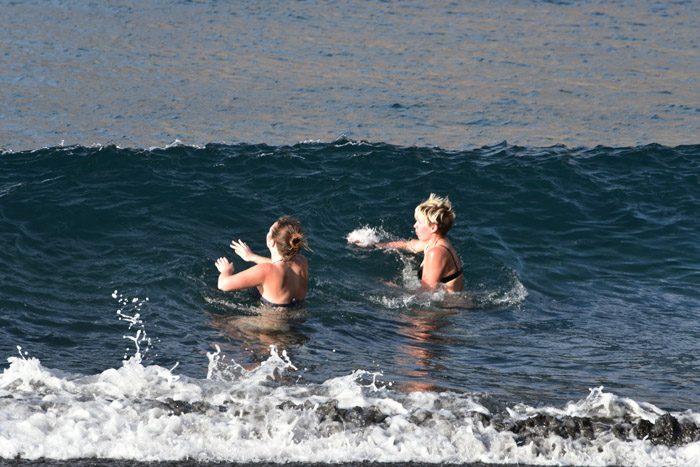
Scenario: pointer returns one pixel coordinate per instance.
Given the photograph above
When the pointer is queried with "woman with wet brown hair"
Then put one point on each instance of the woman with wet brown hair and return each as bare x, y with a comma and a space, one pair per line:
280, 280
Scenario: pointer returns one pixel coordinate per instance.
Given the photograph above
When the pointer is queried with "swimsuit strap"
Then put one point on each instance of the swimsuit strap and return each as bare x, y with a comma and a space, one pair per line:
256, 294
451, 254
452, 276
455, 274
293, 304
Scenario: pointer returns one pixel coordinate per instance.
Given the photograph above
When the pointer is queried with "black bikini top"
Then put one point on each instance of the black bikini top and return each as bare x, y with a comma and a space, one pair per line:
445, 279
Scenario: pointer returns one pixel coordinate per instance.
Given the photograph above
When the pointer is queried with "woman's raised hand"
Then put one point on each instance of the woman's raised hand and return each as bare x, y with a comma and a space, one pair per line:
223, 265
242, 249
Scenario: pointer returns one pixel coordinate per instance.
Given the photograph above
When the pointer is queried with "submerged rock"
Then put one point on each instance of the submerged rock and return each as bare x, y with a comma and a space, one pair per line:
667, 430
181, 407
356, 416
335, 419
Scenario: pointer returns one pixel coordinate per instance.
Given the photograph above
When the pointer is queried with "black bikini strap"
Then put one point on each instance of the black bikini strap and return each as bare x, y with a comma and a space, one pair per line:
454, 260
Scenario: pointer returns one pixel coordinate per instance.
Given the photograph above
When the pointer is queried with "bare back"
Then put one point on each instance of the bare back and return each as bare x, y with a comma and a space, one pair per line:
286, 280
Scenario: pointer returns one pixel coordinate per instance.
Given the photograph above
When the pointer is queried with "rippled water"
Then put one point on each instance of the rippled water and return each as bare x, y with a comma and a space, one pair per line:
457, 75
139, 138
581, 271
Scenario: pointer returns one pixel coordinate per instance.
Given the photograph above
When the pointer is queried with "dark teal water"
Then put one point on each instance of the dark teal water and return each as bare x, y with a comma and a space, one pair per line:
581, 265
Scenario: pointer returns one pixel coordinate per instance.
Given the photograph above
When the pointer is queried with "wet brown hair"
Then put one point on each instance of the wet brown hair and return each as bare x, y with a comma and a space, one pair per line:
287, 234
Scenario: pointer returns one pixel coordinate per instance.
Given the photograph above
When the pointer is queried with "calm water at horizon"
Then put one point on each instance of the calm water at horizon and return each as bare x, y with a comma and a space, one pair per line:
454, 75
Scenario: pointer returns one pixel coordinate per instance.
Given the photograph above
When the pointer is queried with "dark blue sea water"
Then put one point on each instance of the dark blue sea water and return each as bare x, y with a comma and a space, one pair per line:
581, 270
141, 138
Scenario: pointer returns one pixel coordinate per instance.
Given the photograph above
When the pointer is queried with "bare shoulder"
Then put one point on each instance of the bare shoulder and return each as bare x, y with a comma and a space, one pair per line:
262, 268
301, 261
437, 253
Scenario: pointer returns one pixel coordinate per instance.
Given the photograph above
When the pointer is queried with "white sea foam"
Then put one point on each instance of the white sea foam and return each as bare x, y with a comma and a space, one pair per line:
248, 416
597, 404
221, 370
149, 413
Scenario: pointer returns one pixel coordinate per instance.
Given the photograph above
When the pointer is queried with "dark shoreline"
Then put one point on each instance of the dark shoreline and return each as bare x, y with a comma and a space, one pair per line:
191, 463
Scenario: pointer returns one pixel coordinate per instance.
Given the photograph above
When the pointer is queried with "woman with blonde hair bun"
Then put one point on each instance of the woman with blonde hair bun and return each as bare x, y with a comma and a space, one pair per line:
280, 280
440, 266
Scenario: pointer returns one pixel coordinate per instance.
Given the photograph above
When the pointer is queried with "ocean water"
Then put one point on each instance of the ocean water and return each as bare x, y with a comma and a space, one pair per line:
413, 73
581, 300
139, 139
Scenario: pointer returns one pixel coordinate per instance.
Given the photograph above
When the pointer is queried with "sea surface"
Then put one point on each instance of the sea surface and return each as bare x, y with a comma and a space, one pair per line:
139, 138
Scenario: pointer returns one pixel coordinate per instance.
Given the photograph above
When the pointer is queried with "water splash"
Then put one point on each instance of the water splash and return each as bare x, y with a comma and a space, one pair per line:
272, 369
130, 311
366, 236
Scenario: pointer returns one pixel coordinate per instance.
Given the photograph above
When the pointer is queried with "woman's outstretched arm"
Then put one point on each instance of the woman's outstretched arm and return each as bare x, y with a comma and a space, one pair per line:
229, 280
415, 246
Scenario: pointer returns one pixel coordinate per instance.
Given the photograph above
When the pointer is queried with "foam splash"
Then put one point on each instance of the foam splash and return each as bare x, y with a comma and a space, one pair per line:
402, 301
597, 404
146, 413
507, 292
220, 369
408, 293
366, 236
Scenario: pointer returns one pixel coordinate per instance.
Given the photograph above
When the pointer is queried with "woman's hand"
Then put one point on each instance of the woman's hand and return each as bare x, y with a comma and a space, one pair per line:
224, 266
365, 245
242, 249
